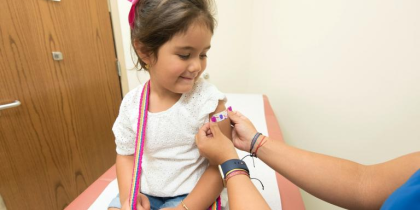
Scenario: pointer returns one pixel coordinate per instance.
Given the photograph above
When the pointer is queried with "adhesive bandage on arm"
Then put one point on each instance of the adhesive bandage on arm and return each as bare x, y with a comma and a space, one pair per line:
219, 116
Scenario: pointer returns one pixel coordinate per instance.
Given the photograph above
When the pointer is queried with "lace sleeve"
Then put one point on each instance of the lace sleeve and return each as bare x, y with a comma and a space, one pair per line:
123, 128
209, 98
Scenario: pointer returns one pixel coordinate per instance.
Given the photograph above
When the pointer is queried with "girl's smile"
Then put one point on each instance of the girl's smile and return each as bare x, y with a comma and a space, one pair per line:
188, 78
181, 60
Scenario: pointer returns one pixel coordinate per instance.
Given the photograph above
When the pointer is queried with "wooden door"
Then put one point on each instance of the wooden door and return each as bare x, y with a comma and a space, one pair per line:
59, 140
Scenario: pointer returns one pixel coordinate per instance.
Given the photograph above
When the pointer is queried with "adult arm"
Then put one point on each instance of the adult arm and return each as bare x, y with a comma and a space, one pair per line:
338, 181
218, 149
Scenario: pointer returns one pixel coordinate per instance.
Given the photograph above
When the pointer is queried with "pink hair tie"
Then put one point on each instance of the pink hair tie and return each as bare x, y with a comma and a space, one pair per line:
132, 14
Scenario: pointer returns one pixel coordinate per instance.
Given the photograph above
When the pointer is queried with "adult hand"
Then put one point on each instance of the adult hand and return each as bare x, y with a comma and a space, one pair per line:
213, 145
142, 203
243, 130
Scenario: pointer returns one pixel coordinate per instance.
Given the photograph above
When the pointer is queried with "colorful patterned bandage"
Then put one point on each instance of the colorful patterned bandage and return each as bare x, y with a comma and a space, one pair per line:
219, 116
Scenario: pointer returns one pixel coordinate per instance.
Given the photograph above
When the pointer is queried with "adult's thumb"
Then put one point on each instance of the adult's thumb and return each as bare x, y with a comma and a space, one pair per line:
214, 127
234, 116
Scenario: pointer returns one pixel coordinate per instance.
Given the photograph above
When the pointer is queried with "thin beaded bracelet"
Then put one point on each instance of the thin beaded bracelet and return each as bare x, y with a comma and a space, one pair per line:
236, 169
262, 142
240, 172
254, 140
183, 205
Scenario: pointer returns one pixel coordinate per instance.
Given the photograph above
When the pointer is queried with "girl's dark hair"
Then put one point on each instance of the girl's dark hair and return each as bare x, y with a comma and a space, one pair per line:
157, 21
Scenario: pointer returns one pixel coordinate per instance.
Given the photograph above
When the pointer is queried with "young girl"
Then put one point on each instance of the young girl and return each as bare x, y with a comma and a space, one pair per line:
171, 39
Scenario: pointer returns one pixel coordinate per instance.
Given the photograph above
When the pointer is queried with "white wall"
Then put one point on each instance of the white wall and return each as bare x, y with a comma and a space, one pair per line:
134, 77
342, 76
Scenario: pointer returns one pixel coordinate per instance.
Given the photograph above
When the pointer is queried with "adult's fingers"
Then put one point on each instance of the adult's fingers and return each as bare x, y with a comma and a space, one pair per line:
202, 132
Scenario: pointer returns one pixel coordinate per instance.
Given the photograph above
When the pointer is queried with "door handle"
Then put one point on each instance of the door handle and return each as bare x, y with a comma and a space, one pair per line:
11, 105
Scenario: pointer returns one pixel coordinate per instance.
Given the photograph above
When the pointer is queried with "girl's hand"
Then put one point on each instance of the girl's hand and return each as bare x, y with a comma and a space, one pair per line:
243, 130
213, 145
142, 203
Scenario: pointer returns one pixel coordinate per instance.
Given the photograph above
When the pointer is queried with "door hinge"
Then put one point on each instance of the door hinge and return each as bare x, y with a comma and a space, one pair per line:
117, 64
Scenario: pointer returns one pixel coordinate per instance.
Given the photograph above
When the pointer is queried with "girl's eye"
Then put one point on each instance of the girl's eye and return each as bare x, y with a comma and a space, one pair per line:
184, 57
203, 56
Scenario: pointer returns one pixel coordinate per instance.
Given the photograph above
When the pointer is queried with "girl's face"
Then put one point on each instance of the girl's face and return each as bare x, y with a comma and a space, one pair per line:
182, 59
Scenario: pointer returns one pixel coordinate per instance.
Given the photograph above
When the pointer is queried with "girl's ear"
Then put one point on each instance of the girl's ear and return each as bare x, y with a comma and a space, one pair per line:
142, 52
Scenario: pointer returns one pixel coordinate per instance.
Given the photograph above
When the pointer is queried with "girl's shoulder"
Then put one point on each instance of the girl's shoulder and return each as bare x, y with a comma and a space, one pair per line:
132, 97
203, 100
202, 87
203, 94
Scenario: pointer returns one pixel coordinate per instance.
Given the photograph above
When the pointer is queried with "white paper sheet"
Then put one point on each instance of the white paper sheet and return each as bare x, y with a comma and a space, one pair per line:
106, 197
252, 106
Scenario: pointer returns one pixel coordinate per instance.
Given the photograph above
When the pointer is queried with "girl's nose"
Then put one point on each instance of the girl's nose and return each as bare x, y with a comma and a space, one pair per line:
195, 66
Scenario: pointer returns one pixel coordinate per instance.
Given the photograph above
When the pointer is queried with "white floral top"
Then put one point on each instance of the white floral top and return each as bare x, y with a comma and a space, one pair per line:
171, 164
